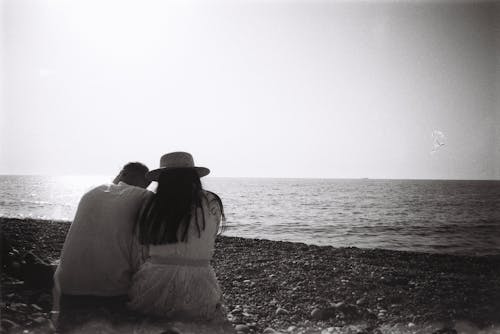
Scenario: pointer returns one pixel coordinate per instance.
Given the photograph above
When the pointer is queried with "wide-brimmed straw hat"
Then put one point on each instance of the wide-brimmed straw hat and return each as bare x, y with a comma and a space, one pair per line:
176, 160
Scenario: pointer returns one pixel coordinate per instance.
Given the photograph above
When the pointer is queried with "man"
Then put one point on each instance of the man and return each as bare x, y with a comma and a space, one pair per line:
100, 253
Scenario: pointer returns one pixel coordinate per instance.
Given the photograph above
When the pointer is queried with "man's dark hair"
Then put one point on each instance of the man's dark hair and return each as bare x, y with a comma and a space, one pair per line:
134, 168
134, 174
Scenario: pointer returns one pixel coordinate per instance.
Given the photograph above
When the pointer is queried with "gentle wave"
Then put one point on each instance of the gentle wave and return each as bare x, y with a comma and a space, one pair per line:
457, 217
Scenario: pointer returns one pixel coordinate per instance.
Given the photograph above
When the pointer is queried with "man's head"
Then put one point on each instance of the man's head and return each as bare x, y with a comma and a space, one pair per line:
134, 174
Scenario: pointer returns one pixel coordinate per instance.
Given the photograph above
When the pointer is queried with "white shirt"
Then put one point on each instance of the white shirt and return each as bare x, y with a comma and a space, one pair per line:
100, 253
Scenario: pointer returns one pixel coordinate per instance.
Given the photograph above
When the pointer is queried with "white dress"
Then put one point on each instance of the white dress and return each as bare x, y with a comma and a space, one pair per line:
177, 280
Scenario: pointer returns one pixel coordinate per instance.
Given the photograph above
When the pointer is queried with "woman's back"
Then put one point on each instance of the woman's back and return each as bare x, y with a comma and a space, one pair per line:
177, 280
179, 225
198, 245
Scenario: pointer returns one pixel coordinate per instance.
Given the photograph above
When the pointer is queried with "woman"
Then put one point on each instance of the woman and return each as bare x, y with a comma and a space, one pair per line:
179, 225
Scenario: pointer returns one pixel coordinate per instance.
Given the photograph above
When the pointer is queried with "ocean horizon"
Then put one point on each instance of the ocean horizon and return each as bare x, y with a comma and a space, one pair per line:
435, 216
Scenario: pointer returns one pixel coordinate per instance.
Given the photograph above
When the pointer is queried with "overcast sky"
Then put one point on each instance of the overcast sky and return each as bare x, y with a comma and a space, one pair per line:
252, 88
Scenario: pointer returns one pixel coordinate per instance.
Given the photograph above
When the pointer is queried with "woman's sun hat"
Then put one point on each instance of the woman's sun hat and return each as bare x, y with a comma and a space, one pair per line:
176, 160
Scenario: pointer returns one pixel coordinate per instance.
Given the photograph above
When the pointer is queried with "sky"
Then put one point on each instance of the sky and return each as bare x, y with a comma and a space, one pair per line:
252, 88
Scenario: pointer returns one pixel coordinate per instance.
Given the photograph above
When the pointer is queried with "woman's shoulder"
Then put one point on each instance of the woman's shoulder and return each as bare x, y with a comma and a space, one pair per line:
210, 195
214, 202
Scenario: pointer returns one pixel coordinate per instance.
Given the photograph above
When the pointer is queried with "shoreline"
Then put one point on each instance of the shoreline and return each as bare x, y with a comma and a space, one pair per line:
459, 253
301, 288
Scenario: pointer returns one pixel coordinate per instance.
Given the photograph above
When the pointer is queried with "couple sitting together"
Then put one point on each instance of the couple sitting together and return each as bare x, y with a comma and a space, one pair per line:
129, 249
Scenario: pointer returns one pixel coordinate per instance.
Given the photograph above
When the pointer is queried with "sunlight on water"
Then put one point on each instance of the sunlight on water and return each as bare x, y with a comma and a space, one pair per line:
45, 197
82, 182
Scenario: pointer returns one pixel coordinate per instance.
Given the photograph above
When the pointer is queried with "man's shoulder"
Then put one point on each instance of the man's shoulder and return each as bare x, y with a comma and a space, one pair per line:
137, 190
95, 191
135, 193
121, 190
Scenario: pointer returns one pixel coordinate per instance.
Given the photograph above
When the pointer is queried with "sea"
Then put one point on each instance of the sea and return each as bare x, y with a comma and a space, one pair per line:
432, 216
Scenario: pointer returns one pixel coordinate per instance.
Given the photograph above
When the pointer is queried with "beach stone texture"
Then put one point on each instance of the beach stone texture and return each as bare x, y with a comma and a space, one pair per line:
285, 287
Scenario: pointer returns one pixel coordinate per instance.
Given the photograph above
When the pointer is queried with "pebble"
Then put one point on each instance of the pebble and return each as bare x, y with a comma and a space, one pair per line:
339, 304
237, 311
8, 324
171, 330
281, 311
36, 307
40, 320
317, 314
446, 330
242, 328
361, 301
381, 314
269, 330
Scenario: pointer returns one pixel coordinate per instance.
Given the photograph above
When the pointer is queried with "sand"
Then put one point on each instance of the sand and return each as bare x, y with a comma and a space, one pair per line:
299, 288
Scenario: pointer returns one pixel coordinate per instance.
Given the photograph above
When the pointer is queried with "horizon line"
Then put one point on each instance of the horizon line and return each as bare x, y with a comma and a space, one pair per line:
276, 177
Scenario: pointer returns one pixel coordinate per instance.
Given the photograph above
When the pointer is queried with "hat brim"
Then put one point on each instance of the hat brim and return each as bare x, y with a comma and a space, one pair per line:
154, 174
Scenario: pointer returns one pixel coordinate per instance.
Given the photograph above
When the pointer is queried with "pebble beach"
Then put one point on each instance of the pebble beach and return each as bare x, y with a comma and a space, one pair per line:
283, 287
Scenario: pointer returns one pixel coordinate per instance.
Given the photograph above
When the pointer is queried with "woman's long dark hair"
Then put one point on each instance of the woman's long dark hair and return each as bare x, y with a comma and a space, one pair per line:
179, 195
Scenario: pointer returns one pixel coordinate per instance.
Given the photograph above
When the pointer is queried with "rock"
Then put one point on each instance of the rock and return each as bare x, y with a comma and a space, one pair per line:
36, 307
235, 319
317, 314
361, 301
323, 314
291, 328
171, 330
242, 328
40, 320
350, 311
445, 330
269, 330
236, 311
281, 311
8, 324
30, 257
51, 326
339, 304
